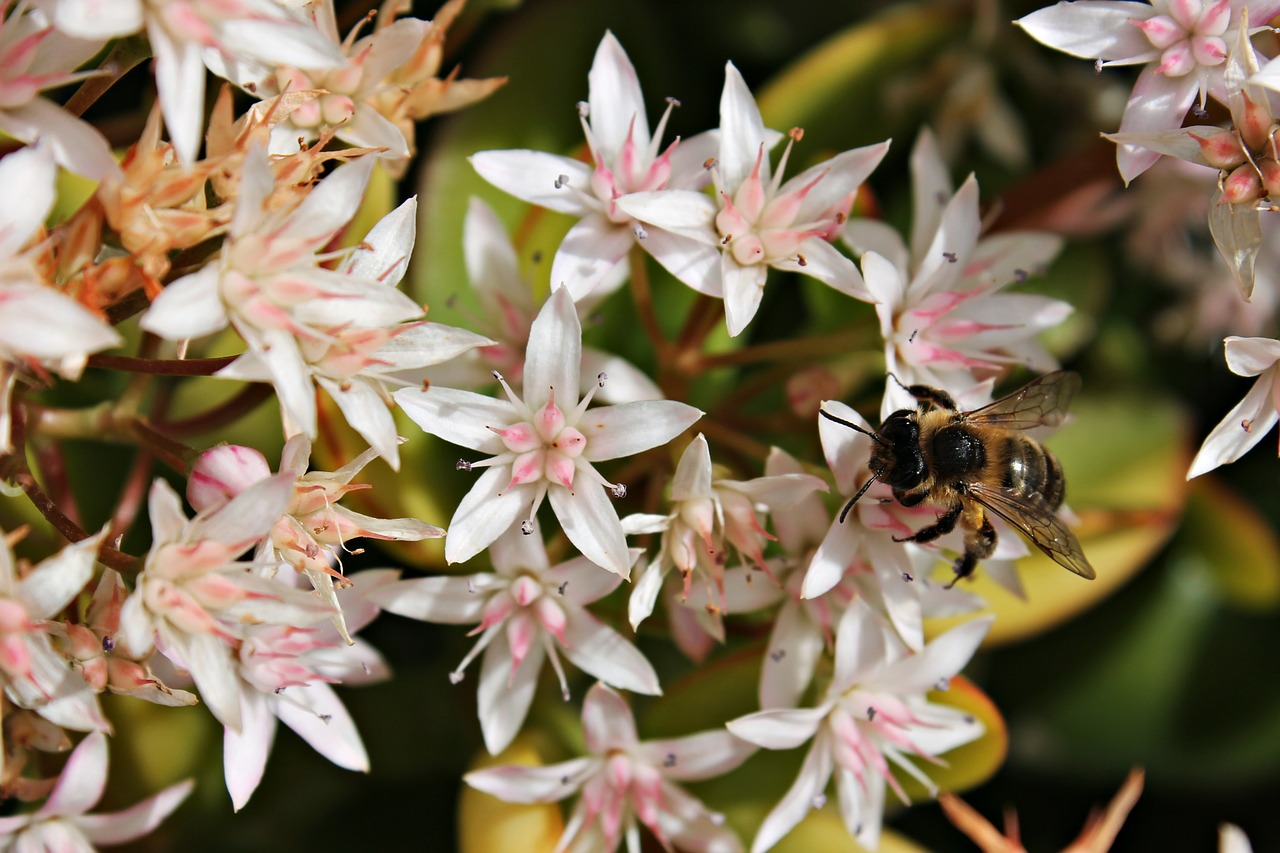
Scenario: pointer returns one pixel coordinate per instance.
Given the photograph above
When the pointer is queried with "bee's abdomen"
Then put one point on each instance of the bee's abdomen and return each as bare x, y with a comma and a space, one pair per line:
1030, 469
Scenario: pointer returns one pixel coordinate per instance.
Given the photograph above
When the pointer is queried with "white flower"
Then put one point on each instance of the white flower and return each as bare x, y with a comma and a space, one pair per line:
63, 822
945, 319
756, 221
306, 324
38, 324
285, 674
312, 533
34, 57
1180, 43
32, 673
626, 160
1255, 415
543, 445
192, 597
626, 782
227, 36
876, 716
712, 518
528, 612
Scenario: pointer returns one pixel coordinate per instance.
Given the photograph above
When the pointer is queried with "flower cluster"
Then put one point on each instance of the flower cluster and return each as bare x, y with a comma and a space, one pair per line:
656, 470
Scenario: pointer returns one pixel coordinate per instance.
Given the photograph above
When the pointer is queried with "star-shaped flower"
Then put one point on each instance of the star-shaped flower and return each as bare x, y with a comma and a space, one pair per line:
528, 611
626, 782
544, 445
756, 221
626, 159
876, 714
944, 315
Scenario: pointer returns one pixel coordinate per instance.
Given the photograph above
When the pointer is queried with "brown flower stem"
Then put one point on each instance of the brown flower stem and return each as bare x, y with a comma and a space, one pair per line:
14, 468
721, 433
248, 399
162, 366
131, 495
53, 473
788, 350
643, 296
126, 54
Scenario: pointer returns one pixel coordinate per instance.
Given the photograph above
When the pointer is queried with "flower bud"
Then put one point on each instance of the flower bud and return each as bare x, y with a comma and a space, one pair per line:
1242, 186
1220, 148
1255, 128
1270, 171
223, 472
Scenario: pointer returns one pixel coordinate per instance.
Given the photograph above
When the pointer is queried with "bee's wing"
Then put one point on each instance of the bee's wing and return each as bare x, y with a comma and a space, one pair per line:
1038, 522
1041, 402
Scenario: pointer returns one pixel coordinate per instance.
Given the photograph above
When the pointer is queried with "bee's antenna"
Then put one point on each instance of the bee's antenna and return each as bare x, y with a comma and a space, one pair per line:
853, 500
851, 425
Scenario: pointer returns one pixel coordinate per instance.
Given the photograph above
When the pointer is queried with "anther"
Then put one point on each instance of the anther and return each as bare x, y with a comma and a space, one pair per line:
912, 337
1021, 276
943, 684
584, 109
778, 655
709, 163
670, 760
526, 527
1247, 425
456, 677
562, 181
1097, 67
108, 644
601, 377
639, 231
496, 375
871, 714
819, 801
462, 465
675, 102
560, 589
950, 256
796, 134
800, 259
840, 217
906, 576
618, 490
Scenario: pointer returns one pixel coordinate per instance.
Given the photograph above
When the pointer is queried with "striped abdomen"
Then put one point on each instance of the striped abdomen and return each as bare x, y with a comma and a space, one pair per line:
1030, 469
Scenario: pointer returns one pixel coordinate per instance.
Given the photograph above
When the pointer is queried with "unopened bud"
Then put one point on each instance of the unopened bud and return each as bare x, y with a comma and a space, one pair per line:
1220, 148
1270, 171
223, 472
1255, 128
1242, 186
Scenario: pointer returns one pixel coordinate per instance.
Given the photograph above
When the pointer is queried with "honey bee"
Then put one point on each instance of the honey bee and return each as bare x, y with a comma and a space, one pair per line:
979, 463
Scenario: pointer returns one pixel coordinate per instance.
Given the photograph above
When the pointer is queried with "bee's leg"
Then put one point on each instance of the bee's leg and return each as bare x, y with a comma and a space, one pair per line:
979, 543
944, 525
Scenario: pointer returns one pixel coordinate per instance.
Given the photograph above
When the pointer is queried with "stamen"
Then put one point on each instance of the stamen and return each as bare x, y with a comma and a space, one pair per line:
555, 665
561, 181
462, 465
640, 233
618, 490
485, 639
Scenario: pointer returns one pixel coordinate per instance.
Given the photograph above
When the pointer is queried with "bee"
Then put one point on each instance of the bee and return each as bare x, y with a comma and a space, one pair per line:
975, 464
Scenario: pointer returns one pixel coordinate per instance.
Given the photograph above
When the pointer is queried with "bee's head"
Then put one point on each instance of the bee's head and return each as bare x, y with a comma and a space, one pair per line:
896, 458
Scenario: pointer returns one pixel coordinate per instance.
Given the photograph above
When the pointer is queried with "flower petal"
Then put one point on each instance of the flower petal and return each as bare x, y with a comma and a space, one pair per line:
245, 752
445, 599
607, 722
485, 513
459, 417
137, 820
503, 696
602, 652
628, 428
554, 355
591, 523
318, 716
536, 177
80, 785
615, 102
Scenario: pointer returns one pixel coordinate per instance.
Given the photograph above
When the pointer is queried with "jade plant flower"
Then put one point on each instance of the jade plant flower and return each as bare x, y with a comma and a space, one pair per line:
626, 782
528, 612
1255, 415
875, 718
543, 446
625, 159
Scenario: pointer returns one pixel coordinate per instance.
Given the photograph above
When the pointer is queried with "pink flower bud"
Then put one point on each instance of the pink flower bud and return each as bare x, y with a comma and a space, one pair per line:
1242, 186
1256, 126
223, 472
1220, 148
1270, 171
